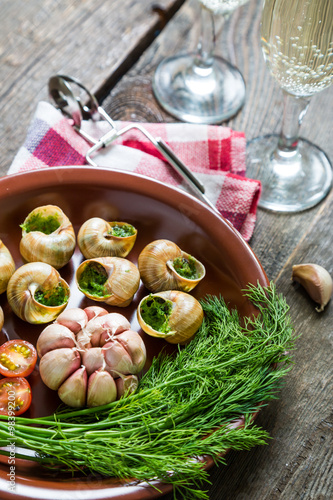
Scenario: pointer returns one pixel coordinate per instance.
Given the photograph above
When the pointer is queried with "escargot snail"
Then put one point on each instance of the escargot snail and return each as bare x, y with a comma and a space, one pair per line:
172, 315
164, 266
7, 266
99, 238
113, 280
47, 236
37, 293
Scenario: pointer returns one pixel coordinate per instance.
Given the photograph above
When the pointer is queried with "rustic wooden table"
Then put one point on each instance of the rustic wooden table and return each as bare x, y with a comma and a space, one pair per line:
114, 47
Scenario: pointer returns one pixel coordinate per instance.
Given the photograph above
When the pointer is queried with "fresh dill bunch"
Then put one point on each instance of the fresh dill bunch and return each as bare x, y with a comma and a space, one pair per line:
185, 407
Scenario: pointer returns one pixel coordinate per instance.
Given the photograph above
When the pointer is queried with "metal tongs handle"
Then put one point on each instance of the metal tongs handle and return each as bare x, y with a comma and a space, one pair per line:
71, 105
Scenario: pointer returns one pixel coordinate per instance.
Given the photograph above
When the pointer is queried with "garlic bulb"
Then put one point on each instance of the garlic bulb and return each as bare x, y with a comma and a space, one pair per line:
164, 266
37, 293
113, 280
99, 238
172, 315
7, 266
2, 318
47, 236
317, 282
87, 375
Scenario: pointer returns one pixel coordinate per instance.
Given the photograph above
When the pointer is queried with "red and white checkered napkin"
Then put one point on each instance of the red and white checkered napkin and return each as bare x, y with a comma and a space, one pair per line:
215, 154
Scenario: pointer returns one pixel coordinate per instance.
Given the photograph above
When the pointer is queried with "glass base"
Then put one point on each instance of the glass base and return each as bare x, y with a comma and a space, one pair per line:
199, 94
290, 182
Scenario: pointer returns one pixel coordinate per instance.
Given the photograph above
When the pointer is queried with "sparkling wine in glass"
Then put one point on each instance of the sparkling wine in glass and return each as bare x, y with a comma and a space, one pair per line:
201, 87
297, 43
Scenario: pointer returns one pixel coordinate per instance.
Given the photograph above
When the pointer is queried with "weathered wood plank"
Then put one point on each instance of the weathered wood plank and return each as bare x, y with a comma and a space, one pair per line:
297, 462
94, 40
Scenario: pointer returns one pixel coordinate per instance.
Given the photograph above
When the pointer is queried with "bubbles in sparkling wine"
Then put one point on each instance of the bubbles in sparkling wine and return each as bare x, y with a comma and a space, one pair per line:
297, 43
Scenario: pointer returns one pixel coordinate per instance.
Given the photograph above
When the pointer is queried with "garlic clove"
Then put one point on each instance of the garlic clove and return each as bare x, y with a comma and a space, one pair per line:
54, 336
93, 359
73, 391
75, 319
135, 347
126, 385
113, 324
94, 311
117, 359
317, 282
102, 389
55, 366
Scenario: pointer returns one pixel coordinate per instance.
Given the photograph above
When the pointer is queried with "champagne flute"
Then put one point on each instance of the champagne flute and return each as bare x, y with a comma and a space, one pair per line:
201, 87
297, 43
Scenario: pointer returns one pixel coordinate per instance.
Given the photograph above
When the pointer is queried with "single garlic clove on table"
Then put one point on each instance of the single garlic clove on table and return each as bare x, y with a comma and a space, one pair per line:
317, 282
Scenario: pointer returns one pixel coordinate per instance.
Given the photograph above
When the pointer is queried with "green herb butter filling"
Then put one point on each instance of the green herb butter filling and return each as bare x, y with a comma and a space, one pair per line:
186, 267
122, 230
93, 279
37, 222
155, 312
53, 297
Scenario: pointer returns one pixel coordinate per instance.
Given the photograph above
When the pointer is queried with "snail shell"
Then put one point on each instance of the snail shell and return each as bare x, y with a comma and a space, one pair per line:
158, 270
183, 312
2, 318
7, 266
47, 236
99, 238
119, 280
27, 282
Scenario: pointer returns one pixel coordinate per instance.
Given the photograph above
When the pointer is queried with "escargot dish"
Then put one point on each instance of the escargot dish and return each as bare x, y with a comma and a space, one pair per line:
7, 266
99, 238
47, 236
172, 315
164, 266
113, 280
91, 357
37, 293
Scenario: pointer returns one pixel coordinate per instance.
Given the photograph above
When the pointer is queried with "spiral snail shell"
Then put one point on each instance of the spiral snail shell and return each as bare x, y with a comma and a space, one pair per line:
164, 266
113, 280
37, 293
99, 238
172, 315
2, 318
47, 236
7, 266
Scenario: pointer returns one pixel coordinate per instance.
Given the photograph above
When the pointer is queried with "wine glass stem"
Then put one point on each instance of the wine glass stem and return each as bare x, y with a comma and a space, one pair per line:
293, 114
206, 45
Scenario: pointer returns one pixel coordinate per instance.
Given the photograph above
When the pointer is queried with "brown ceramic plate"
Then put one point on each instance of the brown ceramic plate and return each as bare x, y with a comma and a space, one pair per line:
157, 211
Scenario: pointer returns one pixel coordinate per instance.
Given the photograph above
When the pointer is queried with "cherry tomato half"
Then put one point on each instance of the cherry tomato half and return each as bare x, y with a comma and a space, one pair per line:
15, 396
17, 358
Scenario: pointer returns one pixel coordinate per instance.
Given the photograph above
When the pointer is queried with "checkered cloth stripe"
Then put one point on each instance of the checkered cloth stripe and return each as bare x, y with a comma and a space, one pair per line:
215, 154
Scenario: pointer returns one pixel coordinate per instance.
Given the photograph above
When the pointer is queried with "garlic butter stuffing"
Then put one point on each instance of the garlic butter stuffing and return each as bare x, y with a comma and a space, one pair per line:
47, 236
91, 357
37, 293
164, 266
99, 238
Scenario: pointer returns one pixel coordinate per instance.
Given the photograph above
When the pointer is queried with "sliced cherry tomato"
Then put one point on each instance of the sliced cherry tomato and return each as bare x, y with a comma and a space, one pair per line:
15, 396
17, 358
